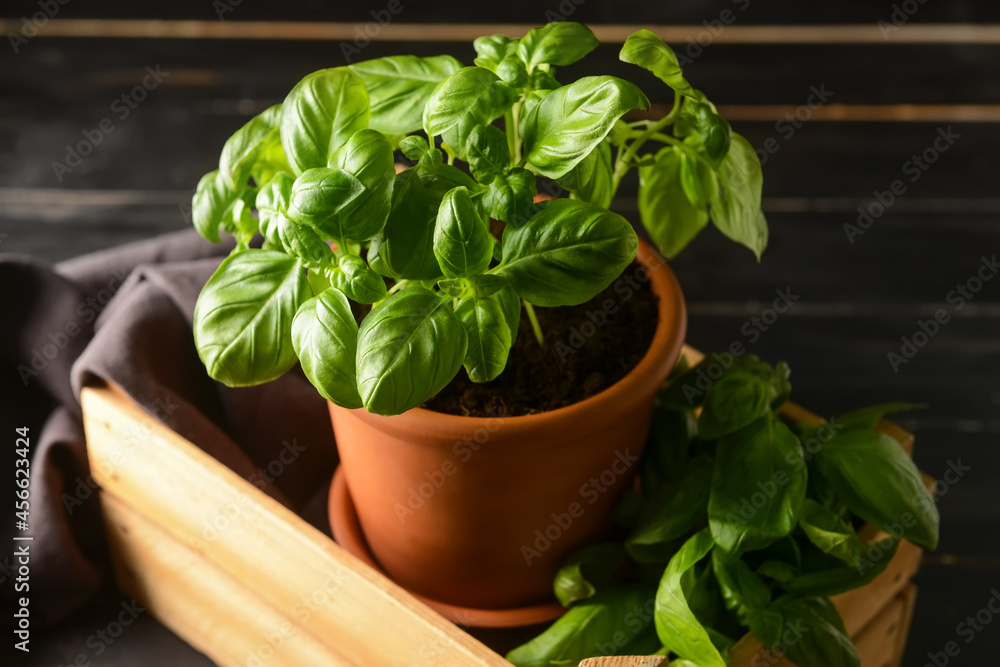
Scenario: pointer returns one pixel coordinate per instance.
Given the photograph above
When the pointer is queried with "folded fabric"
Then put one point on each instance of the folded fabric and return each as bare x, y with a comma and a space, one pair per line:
123, 317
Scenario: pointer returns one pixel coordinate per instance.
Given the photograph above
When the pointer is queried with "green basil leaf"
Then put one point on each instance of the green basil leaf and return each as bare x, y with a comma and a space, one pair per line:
829, 532
591, 179
239, 218
698, 181
470, 92
569, 123
487, 285
212, 199
300, 241
405, 249
810, 630
736, 206
671, 512
713, 130
688, 389
399, 87
567, 253
439, 178
409, 347
272, 204
488, 154
874, 477
559, 43
241, 149
319, 194
357, 281
414, 147
320, 114
491, 50
758, 485
667, 213
499, 201
455, 139
588, 627
778, 570
489, 337
676, 625
870, 417
510, 197
462, 241
742, 590
837, 580
325, 337
243, 318
627, 509
736, 399
645, 49
701, 591
587, 568
512, 72
269, 160
367, 156
781, 388
511, 304
668, 447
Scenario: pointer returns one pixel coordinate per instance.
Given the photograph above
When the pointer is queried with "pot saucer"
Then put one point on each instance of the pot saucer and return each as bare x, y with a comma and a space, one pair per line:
347, 533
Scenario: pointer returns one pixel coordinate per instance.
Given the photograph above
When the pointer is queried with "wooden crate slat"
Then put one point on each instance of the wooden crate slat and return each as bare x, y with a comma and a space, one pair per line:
231, 524
860, 606
882, 641
215, 613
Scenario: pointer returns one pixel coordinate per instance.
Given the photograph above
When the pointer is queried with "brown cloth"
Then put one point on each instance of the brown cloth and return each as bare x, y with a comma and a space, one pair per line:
124, 316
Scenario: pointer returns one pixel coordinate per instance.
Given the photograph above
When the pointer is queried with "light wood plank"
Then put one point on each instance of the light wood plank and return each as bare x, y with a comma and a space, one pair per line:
881, 642
228, 522
217, 615
866, 33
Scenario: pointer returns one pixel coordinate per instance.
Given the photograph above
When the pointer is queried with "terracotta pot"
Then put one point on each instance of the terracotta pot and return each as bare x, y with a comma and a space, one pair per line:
481, 512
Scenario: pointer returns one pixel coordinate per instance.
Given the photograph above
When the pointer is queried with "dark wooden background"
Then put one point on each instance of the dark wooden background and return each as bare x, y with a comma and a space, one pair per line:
890, 97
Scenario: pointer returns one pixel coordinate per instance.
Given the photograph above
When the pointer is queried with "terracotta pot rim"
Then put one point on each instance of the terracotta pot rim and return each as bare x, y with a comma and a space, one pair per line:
644, 378
348, 533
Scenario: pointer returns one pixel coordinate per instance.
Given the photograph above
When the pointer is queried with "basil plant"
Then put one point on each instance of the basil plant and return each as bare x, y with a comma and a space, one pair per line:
316, 177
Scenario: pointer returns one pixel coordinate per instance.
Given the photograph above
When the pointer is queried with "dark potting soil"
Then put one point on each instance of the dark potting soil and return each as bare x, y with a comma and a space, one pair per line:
587, 349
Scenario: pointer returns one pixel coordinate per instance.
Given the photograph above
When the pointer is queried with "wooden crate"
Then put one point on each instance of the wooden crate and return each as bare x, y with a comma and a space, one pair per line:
247, 582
